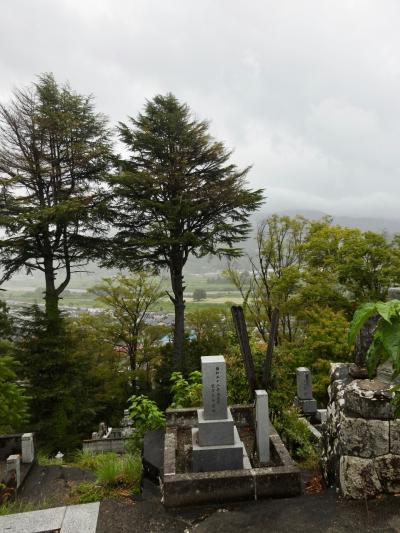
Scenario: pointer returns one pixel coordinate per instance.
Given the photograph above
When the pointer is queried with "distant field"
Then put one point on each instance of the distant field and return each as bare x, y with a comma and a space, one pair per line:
219, 294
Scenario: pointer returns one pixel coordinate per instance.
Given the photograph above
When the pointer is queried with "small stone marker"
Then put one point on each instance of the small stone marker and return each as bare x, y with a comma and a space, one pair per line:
13, 468
27, 448
304, 398
262, 426
304, 383
213, 369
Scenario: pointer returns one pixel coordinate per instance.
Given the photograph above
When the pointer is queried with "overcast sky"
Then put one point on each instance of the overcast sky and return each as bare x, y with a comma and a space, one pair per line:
306, 91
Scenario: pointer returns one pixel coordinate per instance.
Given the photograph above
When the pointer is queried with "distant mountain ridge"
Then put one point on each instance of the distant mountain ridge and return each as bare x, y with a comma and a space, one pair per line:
390, 226
378, 224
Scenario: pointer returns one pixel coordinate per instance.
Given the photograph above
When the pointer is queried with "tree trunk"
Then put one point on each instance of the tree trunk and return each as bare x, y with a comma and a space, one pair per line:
132, 349
179, 326
273, 333
51, 295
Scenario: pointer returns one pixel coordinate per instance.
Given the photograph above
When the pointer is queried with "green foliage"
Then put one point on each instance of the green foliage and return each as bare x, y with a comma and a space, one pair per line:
129, 298
88, 492
386, 342
22, 506
86, 459
237, 385
119, 470
108, 379
54, 382
315, 275
55, 152
146, 416
113, 472
296, 436
177, 195
13, 401
199, 294
43, 459
186, 392
323, 341
74, 381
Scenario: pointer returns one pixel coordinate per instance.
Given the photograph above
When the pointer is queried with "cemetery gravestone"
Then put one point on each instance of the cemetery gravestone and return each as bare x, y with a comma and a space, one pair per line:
27, 448
304, 398
216, 442
13, 469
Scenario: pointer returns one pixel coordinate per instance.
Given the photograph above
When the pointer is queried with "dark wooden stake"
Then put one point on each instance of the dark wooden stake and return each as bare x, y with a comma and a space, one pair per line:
266, 379
241, 332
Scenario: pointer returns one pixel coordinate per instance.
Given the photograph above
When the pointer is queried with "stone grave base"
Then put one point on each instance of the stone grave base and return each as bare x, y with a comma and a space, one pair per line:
214, 432
181, 487
213, 458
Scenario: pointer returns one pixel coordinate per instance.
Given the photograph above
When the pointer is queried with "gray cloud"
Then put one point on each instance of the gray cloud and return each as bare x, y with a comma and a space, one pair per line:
305, 91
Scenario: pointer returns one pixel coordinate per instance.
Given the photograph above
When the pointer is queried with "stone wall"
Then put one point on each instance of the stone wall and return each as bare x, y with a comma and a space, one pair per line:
361, 437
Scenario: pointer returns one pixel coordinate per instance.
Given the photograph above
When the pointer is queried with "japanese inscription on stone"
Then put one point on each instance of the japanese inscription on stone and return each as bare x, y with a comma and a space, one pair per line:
214, 387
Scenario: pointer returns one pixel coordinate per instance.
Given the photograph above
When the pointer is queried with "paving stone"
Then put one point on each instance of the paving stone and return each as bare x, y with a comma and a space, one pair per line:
34, 521
82, 518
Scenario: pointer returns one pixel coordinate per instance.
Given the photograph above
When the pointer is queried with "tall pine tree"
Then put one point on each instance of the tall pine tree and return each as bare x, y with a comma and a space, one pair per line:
177, 194
55, 152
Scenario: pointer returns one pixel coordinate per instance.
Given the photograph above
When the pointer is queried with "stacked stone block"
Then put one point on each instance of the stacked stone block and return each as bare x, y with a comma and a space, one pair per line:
361, 436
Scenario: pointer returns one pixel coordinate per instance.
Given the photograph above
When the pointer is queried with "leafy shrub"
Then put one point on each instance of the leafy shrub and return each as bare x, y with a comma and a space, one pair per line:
296, 436
146, 416
13, 402
386, 342
186, 392
199, 294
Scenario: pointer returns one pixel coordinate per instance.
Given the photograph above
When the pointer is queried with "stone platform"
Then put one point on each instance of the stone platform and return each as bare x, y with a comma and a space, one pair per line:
278, 480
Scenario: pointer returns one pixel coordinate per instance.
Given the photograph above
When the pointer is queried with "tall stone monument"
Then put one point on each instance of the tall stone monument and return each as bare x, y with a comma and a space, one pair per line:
216, 442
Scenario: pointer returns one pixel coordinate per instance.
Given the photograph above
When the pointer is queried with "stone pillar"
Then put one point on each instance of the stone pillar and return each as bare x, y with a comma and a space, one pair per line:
262, 426
27, 448
213, 369
13, 469
215, 420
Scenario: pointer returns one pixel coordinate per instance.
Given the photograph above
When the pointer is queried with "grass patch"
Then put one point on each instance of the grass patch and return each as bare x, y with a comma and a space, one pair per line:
45, 460
21, 506
87, 492
86, 459
123, 471
116, 476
